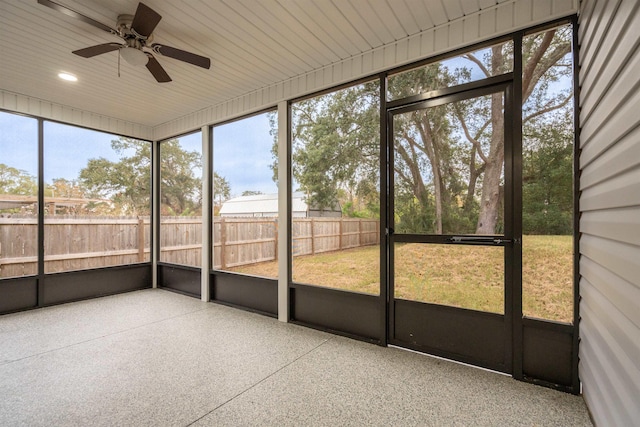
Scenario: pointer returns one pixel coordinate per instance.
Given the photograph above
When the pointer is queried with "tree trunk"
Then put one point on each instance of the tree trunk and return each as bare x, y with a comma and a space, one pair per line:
474, 174
415, 180
490, 200
431, 150
438, 195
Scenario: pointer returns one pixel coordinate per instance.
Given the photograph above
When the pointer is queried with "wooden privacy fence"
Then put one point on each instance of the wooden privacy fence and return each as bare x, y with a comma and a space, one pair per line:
75, 243
72, 243
181, 240
242, 241
316, 235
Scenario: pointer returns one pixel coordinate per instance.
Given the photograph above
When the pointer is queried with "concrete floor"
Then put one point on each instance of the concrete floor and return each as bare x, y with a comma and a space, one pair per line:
158, 358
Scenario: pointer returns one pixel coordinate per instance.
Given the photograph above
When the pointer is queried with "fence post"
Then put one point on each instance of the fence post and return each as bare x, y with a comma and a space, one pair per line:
275, 240
223, 238
360, 232
140, 239
340, 221
313, 238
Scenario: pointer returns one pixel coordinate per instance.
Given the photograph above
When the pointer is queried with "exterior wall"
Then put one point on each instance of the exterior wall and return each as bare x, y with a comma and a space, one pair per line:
609, 36
504, 18
13, 102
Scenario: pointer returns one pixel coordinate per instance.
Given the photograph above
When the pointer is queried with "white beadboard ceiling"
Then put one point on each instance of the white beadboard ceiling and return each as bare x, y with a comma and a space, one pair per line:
253, 44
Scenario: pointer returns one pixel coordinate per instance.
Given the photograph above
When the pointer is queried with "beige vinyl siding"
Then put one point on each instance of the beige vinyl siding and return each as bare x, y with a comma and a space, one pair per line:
609, 34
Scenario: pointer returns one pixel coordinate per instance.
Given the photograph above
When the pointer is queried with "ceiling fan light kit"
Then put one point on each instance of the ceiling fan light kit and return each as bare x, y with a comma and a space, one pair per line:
136, 33
134, 56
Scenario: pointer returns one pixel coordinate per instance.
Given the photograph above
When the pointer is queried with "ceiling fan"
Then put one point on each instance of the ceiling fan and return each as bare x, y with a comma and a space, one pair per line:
136, 33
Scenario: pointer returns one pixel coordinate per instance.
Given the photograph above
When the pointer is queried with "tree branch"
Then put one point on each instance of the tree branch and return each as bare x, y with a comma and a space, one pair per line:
548, 109
479, 63
402, 174
471, 139
527, 72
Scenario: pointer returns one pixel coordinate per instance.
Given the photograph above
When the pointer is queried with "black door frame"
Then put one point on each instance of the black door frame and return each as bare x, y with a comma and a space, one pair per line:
479, 338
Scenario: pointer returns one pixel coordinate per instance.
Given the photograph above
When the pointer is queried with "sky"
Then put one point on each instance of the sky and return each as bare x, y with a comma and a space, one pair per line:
242, 155
19, 142
67, 148
242, 150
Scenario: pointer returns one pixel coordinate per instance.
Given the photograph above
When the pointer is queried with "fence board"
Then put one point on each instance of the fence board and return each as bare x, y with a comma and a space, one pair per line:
181, 240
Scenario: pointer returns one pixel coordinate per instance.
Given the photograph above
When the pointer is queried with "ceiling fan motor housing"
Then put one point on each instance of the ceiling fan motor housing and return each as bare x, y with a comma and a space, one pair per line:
127, 33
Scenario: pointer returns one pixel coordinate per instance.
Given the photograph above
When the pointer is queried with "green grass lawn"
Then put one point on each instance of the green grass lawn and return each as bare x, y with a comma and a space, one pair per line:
461, 276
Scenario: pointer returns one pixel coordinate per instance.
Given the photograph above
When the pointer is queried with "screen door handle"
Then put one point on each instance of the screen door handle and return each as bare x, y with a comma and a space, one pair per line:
479, 240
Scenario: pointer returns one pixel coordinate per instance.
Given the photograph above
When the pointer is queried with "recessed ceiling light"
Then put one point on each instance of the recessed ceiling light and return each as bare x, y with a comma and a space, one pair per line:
68, 77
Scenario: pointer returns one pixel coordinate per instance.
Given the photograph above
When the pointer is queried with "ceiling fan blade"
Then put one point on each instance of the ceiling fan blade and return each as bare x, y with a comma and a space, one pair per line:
145, 20
72, 13
89, 52
156, 69
182, 55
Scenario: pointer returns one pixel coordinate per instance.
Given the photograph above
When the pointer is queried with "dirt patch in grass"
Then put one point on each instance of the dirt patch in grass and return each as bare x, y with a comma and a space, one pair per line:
461, 276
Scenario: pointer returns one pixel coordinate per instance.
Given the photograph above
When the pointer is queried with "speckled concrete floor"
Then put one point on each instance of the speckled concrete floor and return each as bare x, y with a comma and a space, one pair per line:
158, 358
